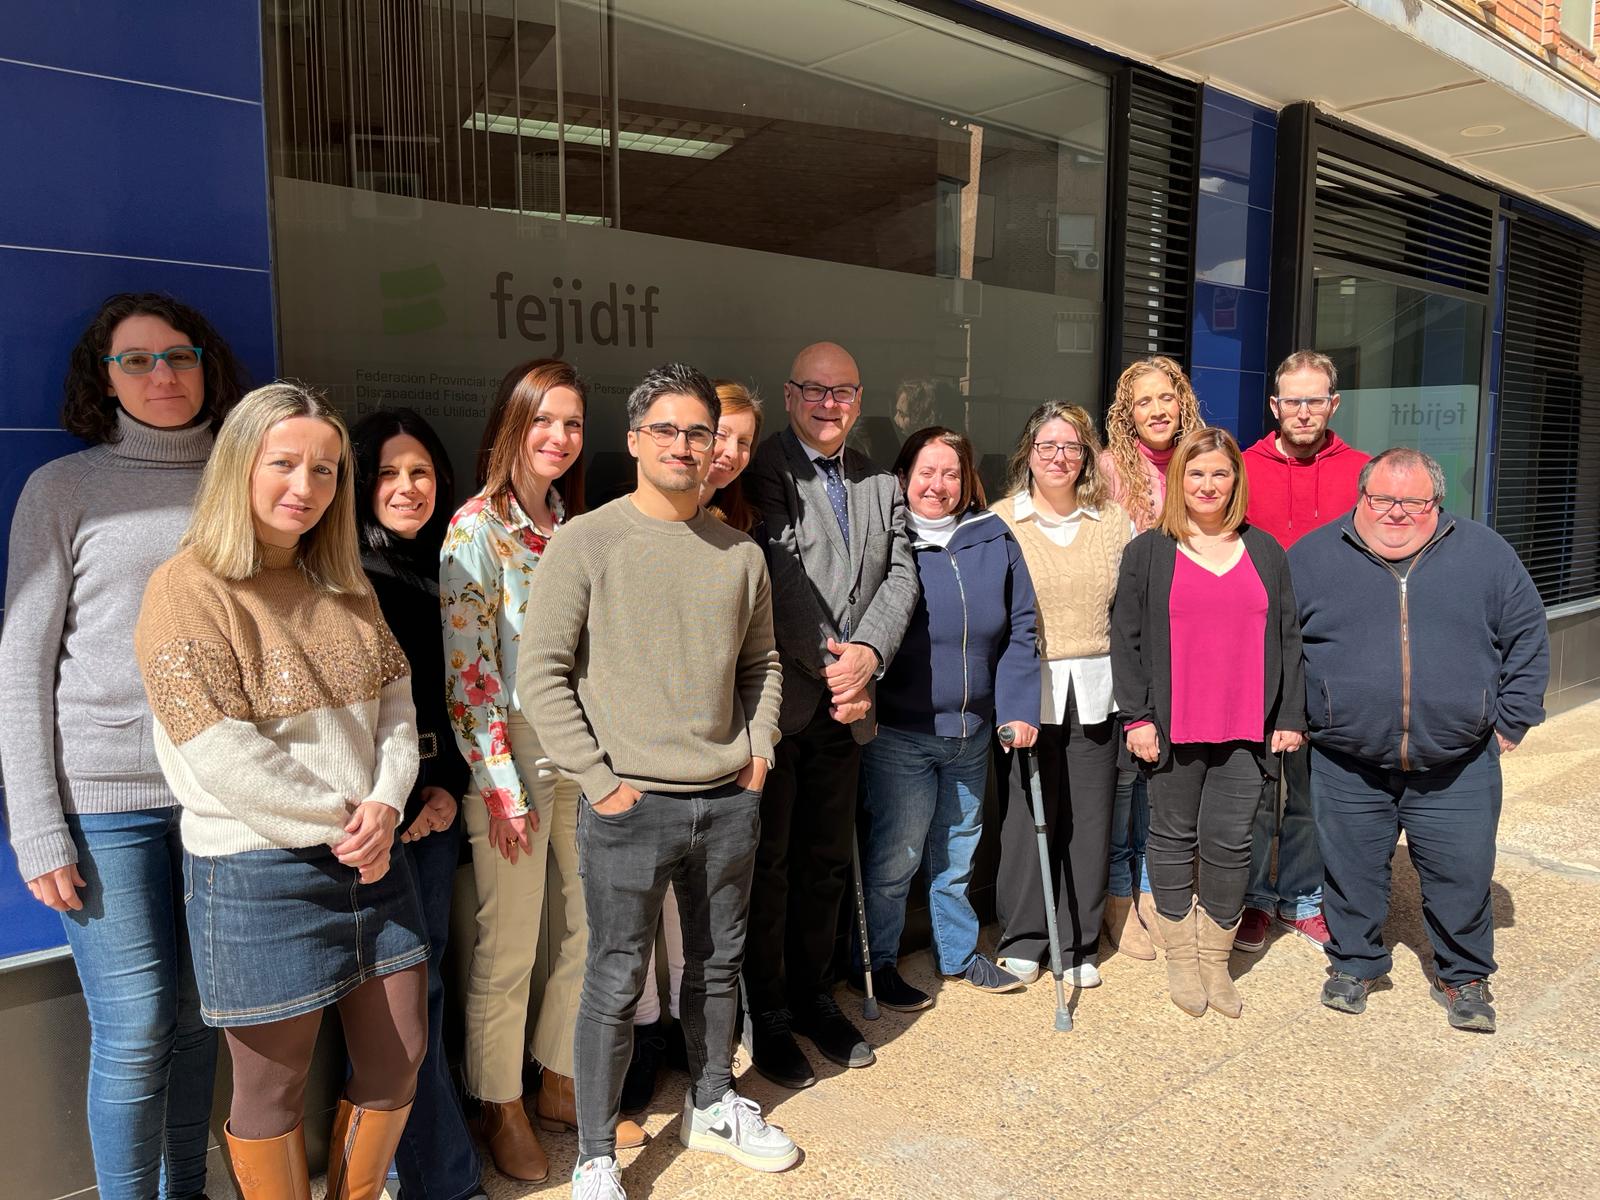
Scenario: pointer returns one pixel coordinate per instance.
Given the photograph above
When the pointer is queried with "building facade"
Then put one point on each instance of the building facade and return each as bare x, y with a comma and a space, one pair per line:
990, 204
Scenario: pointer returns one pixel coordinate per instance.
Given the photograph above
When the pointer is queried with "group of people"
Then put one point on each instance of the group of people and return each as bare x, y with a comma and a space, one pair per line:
267, 688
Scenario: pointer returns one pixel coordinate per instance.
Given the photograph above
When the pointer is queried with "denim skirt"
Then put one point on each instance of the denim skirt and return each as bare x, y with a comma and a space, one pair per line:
279, 933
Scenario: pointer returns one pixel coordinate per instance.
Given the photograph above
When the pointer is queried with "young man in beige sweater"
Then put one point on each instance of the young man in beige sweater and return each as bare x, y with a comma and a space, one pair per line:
655, 684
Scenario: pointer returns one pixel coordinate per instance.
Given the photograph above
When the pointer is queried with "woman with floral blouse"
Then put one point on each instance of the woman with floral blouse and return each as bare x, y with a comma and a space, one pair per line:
519, 811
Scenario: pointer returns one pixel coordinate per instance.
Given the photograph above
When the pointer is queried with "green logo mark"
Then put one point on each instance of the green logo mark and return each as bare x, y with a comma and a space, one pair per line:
410, 299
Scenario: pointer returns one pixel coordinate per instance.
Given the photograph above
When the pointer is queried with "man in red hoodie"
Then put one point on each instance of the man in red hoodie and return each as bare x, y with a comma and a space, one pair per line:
1302, 475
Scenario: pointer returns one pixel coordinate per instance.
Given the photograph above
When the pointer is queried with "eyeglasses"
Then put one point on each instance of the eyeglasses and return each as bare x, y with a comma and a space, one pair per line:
1316, 404
665, 433
142, 362
1072, 451
1410, 505
843, 394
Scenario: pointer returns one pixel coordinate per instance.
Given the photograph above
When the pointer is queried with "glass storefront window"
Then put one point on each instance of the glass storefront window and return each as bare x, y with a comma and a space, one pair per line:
460, 187
1410, 365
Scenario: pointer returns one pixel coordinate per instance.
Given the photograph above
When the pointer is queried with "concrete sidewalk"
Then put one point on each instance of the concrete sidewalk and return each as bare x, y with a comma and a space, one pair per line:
979, 1097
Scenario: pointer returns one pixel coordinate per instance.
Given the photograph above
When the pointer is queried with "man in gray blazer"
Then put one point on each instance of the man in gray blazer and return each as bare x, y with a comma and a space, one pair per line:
844, 583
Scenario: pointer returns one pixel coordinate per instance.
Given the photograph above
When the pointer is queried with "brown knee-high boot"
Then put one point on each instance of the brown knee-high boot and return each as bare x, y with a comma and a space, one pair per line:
270, 1168
1183, 974
360, 1149
1213, 945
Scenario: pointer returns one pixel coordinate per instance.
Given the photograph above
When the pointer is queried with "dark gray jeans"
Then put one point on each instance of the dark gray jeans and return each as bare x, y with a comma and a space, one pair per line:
704, 844
1203, 804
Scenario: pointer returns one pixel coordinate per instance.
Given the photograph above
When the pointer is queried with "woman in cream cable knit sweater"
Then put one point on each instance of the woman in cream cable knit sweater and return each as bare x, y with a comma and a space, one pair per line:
286, 729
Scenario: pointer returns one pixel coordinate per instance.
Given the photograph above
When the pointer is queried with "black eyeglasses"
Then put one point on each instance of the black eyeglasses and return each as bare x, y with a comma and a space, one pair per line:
665, 433
1411, 505
142, 362
842, 394
1316, 404
1071, 451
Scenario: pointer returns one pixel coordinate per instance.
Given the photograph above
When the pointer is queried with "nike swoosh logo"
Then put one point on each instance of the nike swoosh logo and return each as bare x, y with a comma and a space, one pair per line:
723, 1130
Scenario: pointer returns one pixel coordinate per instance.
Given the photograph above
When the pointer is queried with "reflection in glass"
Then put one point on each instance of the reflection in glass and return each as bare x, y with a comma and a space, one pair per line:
1410, 368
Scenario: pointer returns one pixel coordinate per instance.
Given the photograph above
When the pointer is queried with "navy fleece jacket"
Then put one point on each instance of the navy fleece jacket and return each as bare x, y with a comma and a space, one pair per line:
970, 658
1475, 650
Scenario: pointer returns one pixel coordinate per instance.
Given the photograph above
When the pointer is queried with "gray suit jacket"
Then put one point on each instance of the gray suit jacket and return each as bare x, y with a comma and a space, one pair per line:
817, 581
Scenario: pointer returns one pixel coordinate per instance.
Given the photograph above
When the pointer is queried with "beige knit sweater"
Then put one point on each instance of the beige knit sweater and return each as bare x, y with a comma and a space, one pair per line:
1074, 584
279, 706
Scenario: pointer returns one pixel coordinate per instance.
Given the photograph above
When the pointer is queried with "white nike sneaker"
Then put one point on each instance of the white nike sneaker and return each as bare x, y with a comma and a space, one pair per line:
598, 1179
733, 1126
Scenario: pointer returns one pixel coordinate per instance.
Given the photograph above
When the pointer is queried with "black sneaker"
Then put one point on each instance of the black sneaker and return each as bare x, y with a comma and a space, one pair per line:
892, 991
774, 1052
831, 1032
988, 976
1467, 1006
1345, 993
639, 1086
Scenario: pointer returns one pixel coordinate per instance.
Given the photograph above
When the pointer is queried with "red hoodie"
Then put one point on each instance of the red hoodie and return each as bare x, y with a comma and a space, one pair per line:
1289, 497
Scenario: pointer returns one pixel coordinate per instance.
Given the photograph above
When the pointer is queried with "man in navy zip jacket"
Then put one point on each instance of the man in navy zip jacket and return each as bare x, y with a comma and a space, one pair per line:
1427, 657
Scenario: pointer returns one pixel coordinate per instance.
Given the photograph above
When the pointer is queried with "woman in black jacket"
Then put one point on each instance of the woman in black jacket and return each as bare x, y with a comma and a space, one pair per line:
1205, 662
403, 505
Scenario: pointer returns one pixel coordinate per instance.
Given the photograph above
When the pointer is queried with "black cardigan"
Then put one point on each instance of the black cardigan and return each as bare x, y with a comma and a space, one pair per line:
1141, 638
408, 594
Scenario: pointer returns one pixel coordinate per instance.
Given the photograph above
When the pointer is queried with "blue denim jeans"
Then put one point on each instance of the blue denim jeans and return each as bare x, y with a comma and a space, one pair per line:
436, 1159
152, 1060
1297, 892
923, 799
1130, 830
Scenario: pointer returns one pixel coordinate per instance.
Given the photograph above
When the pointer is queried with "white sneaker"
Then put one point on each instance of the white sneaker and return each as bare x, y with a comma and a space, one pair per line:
733, 1126
1025, 969
598, 1179
1084, 975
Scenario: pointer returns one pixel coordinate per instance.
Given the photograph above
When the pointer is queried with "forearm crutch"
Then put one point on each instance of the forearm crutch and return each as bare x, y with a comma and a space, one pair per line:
869, 1006
1030, 780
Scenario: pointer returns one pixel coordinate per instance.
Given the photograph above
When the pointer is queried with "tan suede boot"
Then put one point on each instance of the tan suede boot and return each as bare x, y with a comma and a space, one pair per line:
512, 1142
1183, 974
1150, 919
361, 1148
270, 1168
1213, 944
558, 1109
1125, 931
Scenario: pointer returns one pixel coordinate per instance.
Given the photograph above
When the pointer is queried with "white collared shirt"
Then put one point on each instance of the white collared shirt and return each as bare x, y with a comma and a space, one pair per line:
1087, 680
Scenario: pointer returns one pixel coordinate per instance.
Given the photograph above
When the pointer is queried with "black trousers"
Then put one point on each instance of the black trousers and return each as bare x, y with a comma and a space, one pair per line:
1077, 768
808, 821
1203, 802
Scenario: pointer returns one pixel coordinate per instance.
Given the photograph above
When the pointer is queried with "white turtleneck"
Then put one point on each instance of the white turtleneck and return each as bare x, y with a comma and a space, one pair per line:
937, 532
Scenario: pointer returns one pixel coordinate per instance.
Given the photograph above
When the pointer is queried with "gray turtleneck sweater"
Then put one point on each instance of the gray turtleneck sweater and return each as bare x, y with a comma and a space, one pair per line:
75, 728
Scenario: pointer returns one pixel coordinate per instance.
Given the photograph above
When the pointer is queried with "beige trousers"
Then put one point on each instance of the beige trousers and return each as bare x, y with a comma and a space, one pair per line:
511, 904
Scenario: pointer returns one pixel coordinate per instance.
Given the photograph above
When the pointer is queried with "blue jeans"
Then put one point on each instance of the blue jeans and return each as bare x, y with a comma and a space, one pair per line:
1297, 893
1130, 830
152, 1060
436, 1159
923, 799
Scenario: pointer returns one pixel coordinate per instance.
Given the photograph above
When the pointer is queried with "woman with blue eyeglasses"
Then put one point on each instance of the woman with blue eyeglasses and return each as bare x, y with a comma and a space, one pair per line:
92, 822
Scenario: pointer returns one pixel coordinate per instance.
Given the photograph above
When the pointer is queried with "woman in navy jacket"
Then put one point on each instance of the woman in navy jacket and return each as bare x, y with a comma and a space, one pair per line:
968, 662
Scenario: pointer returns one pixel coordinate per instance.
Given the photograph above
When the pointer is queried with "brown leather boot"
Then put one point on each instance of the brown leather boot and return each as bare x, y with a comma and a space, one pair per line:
558, 1109
1151, 920
270, 1168
1213, 945
1183, 968
512, 1142
1125, 931
360, 1149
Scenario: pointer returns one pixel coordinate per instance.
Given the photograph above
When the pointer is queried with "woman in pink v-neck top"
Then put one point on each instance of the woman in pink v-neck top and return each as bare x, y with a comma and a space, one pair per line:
1218, 622
1205, 659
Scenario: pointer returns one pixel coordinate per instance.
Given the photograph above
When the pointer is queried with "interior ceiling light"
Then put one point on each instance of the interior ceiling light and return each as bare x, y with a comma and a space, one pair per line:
1478, 131
651, 135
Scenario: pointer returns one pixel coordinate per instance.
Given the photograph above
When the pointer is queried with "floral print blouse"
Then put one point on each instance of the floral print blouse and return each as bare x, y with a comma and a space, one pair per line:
485, 569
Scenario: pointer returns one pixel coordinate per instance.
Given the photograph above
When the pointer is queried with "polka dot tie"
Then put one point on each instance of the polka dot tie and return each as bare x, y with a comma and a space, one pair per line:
833, 480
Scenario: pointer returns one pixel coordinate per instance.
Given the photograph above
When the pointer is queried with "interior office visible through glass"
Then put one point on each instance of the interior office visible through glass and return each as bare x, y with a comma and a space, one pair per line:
1410, 365
459, 186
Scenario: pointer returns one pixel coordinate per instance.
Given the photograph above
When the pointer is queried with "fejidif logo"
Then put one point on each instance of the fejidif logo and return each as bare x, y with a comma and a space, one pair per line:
411, 301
